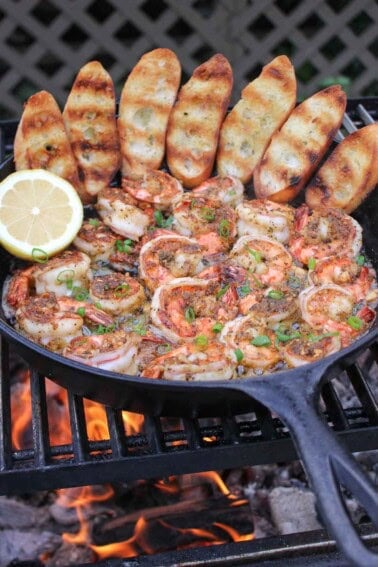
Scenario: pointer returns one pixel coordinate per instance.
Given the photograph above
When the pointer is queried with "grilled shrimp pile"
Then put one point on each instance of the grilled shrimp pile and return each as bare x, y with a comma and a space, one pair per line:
198, 285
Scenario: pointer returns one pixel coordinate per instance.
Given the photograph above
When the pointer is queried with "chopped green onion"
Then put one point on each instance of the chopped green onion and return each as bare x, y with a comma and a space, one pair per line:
311, 264
275, 294
315, 338
81, 311
239, 355
98, 305
261, 340
284, 338
94, 222
256, 254
222, 291
244, 290
258, 283
224, 228
161, 222
102, 329
79, 293
355, 322
124, 245
66, 276
190, 314
217, 327
140, 329
121, 289
201, 341
360, 260
207, 214
39, 255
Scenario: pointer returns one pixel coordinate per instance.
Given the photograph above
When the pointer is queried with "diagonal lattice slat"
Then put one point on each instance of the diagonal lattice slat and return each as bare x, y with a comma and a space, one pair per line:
45, 42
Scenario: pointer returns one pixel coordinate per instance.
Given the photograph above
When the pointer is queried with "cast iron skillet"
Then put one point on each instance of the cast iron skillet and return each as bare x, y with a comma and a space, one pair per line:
292, 394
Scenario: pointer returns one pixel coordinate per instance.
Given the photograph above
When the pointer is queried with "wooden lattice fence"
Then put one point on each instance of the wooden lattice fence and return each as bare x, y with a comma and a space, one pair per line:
43, 43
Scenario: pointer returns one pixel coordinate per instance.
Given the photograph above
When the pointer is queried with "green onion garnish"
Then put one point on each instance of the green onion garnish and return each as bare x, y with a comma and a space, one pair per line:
190, 314
201, 341
94, 222
217, 327
284, 338
244, 290
276, 294
224, 228
311, 264
256, 254
81, 311
207, 214
261, 340
161, 222
360, 260
315, 338
39, 255
66, 276
355, 322
222, 291
79, 293
102, 329
124, 245
239, 355
121, 289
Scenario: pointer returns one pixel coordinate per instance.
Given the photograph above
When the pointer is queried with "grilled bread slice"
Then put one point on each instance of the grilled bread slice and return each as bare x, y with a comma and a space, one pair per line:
89, 116
264, 106
196, 119
41, 140
297, 148
349, 174
146, 101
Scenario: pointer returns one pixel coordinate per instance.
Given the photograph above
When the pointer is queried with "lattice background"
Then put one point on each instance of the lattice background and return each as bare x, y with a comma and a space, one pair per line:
43, 43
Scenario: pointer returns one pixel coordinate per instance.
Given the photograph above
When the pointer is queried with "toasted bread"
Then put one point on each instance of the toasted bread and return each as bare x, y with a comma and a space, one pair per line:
297, 148
264, 106
89, 116
196, 119
41, 140
349, 174
146, 101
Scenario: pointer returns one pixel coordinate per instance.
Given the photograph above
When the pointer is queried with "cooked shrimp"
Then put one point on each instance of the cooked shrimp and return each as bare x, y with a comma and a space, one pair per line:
330, 308
226, 189
274, 306
86, 310
261, 217
310, 347
343, 270
117, 293
167, 257
61, 275
115, 351
95, 239
253, 344
42, 319
266, 258
155, 187
185, 307
324, 232
208, 220
191, 362
117, 211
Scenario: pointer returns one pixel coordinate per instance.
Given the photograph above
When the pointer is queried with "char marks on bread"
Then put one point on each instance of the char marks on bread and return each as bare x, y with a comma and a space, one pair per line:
297, 148
349, 174
265, 104
146, 101
196, 119
41, 141
90, 120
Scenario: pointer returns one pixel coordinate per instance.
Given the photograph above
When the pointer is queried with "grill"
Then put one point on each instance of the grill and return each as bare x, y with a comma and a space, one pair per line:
184, 446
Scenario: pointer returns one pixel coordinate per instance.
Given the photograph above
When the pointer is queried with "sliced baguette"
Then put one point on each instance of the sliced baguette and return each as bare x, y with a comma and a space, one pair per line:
89, 116
146, 101
196, 119
349, 174
41, 140
295, 151
264, 106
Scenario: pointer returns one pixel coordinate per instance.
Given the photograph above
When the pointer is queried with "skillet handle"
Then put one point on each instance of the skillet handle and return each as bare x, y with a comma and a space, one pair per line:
327, 463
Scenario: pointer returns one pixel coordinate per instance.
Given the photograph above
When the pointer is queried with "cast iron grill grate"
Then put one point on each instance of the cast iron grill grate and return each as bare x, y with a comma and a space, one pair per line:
168, 446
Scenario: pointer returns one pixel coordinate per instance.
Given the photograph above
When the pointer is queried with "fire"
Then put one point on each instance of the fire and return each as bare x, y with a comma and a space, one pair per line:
82, 498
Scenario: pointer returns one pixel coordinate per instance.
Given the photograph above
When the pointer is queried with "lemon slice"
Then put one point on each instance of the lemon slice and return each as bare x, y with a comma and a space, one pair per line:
40, 214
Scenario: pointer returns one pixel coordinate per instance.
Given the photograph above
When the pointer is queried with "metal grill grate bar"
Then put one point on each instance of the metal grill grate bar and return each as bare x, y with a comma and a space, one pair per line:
5, 409
364, 393
334, 407
116, 432
39, 419
78, 428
